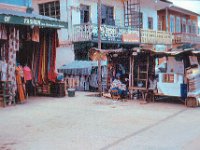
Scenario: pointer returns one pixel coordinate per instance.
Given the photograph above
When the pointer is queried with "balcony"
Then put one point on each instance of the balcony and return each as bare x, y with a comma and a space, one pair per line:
180, 38
89, 32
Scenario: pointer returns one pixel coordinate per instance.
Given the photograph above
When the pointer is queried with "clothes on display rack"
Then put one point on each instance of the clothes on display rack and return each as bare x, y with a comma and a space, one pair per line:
20, 84
12, 48
3, 32
35, 34
47, 58
93, 81
3, 71
27, 73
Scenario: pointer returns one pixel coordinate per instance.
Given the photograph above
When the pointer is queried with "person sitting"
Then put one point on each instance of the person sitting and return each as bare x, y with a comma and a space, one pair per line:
119, 86
152, 86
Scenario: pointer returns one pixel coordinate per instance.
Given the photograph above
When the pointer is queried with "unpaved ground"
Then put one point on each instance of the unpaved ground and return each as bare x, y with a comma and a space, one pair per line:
92, 123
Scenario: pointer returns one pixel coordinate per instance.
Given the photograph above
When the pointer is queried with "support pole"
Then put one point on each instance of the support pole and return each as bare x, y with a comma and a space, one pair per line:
99, 47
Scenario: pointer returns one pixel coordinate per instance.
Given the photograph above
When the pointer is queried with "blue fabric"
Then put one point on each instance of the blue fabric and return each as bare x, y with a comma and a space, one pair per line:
120, 92
49, 52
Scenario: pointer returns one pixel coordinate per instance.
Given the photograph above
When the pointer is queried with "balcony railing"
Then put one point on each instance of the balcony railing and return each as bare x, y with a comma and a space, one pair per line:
186, 38
88, 32
155, 37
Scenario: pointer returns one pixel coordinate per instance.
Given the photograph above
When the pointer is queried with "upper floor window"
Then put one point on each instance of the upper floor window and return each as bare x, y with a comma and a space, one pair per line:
194, 27
189, 26
150, 23
85, 13
107, 15
51, 9
172, 24
183, 25
178, 24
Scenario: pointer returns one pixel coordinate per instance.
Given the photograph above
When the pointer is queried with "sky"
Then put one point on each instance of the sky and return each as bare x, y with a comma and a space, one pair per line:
193, 5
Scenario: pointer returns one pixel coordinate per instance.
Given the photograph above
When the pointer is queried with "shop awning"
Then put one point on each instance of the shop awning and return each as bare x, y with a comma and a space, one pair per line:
80, 67
21, 18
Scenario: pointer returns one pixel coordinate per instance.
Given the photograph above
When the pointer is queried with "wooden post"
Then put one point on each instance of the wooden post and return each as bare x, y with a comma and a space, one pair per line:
99, 47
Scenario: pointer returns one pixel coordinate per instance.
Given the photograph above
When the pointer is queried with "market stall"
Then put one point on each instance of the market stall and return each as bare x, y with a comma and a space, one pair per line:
118, 63
82, 75
174, 73
27, 54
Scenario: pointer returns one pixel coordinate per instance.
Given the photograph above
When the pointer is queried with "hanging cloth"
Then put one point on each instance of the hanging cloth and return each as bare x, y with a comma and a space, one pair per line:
40, 60
20, 85
52, 75
12, 59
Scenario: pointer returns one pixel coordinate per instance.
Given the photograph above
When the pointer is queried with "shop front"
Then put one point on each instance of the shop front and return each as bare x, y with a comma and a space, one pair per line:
27, 55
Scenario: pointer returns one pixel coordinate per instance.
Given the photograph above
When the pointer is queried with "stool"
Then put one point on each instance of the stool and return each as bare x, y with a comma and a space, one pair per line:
115, 94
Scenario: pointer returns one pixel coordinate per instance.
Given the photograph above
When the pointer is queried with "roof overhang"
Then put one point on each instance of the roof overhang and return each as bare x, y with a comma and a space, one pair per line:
183, 11
21, 18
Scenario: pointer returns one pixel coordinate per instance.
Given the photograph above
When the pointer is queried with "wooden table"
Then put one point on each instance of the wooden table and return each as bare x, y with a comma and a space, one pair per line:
143, 90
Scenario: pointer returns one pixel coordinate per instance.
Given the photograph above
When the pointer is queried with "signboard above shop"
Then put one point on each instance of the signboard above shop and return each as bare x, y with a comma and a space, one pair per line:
131, 38
12, 17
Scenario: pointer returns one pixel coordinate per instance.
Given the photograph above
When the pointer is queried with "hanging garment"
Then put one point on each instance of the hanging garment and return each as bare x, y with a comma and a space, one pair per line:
4, 35
1, 62
4, 68
20, 84
35, 34
27, 73
52, 74
12, 59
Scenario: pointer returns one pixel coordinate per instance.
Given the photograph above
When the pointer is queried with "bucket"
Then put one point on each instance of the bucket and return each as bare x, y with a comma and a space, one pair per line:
71, 92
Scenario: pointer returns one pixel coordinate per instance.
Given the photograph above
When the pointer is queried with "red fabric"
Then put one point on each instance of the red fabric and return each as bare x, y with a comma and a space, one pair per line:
40, 61
52, 75
27, 73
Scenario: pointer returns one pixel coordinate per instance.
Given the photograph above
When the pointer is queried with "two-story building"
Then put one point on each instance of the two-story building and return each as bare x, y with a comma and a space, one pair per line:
182, 23
125, 24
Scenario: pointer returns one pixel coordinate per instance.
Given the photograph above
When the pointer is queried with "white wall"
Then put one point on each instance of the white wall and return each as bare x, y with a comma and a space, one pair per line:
64, 55
149, 12
74, 12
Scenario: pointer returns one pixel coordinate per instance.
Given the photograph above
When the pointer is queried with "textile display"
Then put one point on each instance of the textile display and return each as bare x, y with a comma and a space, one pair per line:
47, 57
4, 66
27, 73
3, 51
36, 34
20, 84
3, 32
93, 80
13, 45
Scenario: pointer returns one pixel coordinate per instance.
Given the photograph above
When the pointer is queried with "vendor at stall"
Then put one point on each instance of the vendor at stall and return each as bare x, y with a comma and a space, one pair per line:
119, 86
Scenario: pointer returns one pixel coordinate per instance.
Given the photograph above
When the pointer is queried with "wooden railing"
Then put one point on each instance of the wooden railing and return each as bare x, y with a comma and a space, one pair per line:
186, 38
87, 32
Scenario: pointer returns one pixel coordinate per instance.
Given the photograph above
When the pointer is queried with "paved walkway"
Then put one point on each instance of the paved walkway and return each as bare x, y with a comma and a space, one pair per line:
92, 123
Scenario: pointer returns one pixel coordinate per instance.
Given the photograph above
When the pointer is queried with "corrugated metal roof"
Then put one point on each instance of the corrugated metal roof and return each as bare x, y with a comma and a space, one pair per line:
82, 64
22, 14
80, 67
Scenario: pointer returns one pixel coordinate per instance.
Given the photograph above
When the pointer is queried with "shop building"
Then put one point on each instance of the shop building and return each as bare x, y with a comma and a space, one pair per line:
182, 23
28, 44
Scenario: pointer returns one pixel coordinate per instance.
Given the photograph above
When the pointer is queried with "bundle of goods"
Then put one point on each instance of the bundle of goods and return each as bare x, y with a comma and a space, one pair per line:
193, 76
